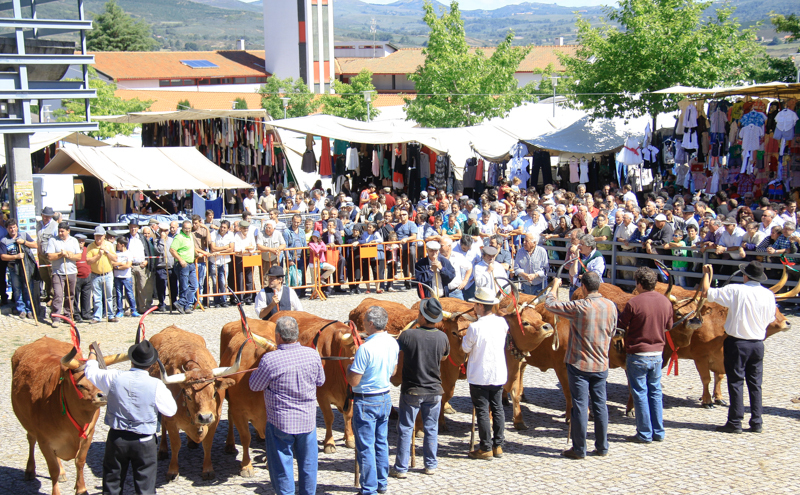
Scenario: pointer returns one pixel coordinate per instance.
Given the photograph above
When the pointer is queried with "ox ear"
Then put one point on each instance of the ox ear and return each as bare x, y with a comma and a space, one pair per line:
224, 383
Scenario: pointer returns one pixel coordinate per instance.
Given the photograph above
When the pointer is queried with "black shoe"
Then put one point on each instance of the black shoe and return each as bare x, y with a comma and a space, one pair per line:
339, 290
598, 453
78, 319
162, 308
756, 429
571, 454
728, 428
180, 309
658, 439
189, 310
636, 439
224, 305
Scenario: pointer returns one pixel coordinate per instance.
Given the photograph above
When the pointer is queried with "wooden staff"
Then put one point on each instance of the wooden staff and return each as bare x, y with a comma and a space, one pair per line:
28, 286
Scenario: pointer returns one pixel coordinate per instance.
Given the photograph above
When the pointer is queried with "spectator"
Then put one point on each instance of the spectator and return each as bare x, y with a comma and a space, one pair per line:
83, 287
100, 254
123, 280
63, 252
221, 246
12, 251
183, 250
532, 266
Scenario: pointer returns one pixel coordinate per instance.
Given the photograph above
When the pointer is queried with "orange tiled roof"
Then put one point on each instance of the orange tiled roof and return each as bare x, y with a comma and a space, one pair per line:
406, 60
390, 100
164, 101
167, 65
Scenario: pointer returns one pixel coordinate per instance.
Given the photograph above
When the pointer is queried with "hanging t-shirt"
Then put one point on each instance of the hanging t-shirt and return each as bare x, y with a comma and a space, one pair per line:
574, 173
751, 136
584, 171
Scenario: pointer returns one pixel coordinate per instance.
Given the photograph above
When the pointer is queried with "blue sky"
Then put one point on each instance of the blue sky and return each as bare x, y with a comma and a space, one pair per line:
494, 4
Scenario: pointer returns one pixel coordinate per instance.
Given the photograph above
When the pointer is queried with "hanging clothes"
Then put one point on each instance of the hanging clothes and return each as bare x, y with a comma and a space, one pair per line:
631, 154
325, 168
584, 171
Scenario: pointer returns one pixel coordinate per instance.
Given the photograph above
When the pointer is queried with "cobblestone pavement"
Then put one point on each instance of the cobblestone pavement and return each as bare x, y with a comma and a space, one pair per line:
693, 458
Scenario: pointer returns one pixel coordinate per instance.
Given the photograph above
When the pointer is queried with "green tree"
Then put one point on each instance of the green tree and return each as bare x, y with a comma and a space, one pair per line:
115, 31
301, 99
348, 102
787, 24
457, 86
106, 103
241, 103
648, 45
184, 105
771, 69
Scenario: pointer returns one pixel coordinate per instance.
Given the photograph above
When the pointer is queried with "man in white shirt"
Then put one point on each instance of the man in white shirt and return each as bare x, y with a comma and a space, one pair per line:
767, 222
628, 195
624, 231
532, 265
267, 200
271, 244
250, 204
751, 308
221, 246
789, 214
730, 242
462, 267
243, 245
488, 270
275, 297
536, 224
486, 372
142, 276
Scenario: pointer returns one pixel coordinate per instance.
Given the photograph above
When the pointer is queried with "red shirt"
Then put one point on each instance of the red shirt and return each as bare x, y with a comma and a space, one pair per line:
83, 266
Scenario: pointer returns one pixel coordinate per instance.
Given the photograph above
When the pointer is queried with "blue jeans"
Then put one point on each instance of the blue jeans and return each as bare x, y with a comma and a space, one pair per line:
200, 264
533, 289
644, 377
19, 292
219, 279
281, 448
583, 384
410, 405
457, 293
101, 284
371, 427
124, 287
187, 281
469, 292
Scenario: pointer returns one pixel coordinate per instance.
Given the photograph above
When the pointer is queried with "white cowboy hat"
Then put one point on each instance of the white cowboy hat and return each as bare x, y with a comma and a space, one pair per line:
485, 295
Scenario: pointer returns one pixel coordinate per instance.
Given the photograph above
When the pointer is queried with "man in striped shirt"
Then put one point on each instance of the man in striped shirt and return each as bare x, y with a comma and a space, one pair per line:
289, 377
592, 322
531, 265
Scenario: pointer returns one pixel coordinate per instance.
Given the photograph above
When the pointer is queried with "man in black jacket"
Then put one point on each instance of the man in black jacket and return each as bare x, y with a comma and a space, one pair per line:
435, 271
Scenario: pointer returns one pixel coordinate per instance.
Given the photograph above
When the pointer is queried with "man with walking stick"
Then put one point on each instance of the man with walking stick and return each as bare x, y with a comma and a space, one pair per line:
99, 255
11, 251
63, 252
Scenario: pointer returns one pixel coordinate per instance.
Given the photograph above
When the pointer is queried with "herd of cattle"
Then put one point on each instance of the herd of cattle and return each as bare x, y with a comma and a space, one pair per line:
59, 407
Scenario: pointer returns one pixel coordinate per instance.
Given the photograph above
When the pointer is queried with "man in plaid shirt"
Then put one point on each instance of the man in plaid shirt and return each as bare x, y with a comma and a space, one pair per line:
289, 378
593, 321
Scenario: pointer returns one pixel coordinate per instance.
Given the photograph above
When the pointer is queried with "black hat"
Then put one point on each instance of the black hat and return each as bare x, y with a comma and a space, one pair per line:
48, 211
431, 309
143, 354
275, 271
754, 271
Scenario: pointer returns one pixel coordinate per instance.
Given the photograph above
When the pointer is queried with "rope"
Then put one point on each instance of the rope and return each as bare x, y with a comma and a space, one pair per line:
673, 359
65, 409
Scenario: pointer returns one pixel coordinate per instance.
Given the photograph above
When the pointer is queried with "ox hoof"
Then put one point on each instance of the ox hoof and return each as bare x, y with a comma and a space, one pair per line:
419, 434
191, 444
506, 401
171, 476
448, 409
710, 405
82, 493
30, 475
329, 449
721, 402
630, 413
520, 426
350, 444
163, 455
209, 475
62, 478
523, 398
246, 472
443, 426
393, 414
231, 449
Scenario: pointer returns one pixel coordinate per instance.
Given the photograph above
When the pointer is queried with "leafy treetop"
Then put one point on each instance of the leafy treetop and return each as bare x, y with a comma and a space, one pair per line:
348, 102
116, 31
301, 99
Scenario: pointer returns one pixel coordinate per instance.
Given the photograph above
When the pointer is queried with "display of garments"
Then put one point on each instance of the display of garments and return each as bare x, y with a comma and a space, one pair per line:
376, 163
751, 136
690, 117
753, 118
440, 176
718, 119
574, 171
631, 154
351, 159
325, 168
491, 180
518, 167
424, 166
689, 140
584, 171
309, 165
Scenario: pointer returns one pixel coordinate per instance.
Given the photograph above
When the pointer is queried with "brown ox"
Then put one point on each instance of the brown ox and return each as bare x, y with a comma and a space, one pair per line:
244, 405
331, 339
42, 374
198, 387
703, 344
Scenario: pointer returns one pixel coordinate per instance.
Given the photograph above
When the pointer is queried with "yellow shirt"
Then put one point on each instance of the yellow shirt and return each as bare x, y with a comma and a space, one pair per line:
103, 264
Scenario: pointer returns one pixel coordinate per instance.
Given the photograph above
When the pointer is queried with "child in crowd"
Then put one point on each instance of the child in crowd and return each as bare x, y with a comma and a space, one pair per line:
679, 266
318, 259
504, 231
393, 264
123, 280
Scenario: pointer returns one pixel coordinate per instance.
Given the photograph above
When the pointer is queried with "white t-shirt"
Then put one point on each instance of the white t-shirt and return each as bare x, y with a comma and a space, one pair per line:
221, 241
250, 205
751, 136
461, 266
485, 343
122, 257
786, 120
751, 308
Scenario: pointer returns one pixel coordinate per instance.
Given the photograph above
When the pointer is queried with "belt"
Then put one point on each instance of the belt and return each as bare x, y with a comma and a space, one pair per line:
356, 394
101, 274
137, 264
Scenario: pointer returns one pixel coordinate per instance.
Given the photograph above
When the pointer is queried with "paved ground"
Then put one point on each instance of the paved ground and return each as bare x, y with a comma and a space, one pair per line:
692, 459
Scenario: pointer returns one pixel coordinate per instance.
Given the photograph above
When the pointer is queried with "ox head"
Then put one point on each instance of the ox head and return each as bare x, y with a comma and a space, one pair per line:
201, 391
780, 324
617, 357
534, 329
72, 368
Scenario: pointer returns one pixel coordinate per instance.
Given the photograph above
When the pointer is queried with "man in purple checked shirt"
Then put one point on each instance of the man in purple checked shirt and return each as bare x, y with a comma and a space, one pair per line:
289, 377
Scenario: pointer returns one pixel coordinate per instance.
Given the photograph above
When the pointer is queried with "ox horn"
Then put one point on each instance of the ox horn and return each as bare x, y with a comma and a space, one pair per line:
69, 361
784, 278
347, 338
170, 380
116, 358
788, 295
668, 294
220, 372
409, 325
262, 342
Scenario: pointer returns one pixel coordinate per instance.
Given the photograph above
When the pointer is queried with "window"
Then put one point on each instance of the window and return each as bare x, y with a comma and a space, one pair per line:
252, 79
199, 64
215, 80
188, 82
175, 82
238, 80
203, 81
163, 82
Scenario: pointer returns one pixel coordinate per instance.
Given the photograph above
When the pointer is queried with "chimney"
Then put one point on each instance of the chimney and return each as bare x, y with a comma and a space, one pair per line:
241, 44
560, 41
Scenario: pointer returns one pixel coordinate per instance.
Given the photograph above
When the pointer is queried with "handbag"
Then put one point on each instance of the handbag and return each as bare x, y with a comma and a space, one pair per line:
294, 277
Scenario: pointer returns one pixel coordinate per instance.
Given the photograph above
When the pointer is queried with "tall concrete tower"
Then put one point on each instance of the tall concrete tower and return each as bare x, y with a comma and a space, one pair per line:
298, 41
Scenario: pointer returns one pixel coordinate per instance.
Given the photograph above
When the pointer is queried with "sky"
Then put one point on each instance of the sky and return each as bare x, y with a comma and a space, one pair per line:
494, 4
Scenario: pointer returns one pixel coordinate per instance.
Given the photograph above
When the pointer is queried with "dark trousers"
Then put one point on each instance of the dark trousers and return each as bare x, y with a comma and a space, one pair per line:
162, 278
244, 280
174, 292
744, 361
83, 298
3, 285
63, 294
582, 385
409, 258
486, 399
125, 449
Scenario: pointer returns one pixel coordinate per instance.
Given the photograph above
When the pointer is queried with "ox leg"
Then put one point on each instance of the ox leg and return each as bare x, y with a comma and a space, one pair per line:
716, 363
446, 409
242, 425
208, 441
230, 444
80, 463
449, 374
561, 372
62, 475
163, 448
30, 468
175, 446
718, 400
329, 446
512, 388
705, 377
53, 466
349, 437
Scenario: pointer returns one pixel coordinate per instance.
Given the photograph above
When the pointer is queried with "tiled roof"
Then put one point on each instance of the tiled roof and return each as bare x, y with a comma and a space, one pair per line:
406, 60
167, 65
164, 101
390, 100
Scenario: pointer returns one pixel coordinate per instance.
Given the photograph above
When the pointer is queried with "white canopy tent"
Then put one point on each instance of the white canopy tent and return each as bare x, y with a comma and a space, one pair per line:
192, 114
145, 169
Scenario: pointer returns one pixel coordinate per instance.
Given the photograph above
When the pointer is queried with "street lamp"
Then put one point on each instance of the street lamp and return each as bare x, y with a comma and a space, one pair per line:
285, 101
555, 83
368, 99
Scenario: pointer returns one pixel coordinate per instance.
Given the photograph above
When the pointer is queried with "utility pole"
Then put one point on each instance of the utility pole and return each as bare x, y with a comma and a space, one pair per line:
373, 28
